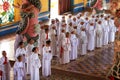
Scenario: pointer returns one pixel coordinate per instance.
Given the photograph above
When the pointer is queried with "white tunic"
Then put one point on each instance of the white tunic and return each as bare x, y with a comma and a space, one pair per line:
78, 33
70, 28
113, 30
74, 47
46, 61
53, 25
5, 68
99, 33
105, 32
74, 23
29, 48
44, 38
35, 66
60, 39
69, 20
83, 39
21, 51
66, 44
19, 71
91, 38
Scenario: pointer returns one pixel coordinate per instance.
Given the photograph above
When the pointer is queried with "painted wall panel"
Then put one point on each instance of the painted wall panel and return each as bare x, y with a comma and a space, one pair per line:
17, 11
45, 5
78, 1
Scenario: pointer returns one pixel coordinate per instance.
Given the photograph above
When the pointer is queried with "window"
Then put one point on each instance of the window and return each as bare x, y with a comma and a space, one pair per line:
6, 11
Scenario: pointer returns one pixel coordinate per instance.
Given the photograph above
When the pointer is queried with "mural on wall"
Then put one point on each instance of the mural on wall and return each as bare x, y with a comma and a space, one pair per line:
6, 11
29, 25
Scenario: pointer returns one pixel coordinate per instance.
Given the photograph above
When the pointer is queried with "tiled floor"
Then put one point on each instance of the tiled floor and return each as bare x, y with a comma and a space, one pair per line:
92, 66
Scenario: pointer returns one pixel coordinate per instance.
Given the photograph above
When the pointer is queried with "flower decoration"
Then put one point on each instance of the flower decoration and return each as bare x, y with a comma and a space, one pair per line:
6, 11
6, 6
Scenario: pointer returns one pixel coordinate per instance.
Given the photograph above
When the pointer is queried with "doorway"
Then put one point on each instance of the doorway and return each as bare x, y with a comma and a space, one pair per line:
58, 7
53, 8
64, 6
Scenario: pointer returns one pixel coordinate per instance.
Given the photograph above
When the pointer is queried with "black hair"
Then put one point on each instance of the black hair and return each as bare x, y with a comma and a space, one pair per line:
20, 43
46, 29
19, 57
48, 42
67, 33
34, 49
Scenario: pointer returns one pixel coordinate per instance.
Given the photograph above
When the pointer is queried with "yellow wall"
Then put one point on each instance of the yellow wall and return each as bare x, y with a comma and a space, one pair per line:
85, 3
80, 1
17, 11
45, 5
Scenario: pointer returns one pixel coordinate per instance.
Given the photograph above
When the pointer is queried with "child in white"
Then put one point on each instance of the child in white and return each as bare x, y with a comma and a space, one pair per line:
29, 48
35, 64
74, 46
113, 30
99, 33
83, 40
21, 51
66, 44
19, 72
46, 60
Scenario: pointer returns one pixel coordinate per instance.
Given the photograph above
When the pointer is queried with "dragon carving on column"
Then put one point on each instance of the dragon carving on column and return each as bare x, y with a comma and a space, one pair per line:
29, 26
97, 5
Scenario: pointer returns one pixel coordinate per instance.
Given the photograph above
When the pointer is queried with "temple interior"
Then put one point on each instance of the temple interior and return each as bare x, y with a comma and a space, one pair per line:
94, 64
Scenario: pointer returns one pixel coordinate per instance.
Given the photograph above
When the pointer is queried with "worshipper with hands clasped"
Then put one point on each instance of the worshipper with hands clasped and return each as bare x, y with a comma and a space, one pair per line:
21, 51
46, 59
74, 46
70, 27
80, 25
99, 33
29, 48
66, 45
69, 19
105, 31
113, 30
83, 39
91, 36
4, 67
74, 21
35, 64
45, 36
19, 73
